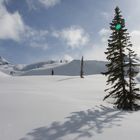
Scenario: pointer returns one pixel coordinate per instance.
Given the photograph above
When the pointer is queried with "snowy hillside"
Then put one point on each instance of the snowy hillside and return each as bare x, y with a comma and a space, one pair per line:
47, 64
19, 69
5, 66
62, 108
3, 61
60, 68
3, 74
70, 69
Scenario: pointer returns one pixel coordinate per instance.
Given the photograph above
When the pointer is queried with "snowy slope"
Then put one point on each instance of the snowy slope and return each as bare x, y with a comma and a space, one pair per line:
71, 69
3, 61
6, 66
47, 64
19, 69
60, 68
3, 74
61, 108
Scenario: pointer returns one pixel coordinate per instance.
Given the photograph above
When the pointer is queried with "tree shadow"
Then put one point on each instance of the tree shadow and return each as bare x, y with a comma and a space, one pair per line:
79, 124
65, 79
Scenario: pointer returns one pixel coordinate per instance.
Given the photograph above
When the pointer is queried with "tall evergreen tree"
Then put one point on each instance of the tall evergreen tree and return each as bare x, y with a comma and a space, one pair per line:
81, 71
132, 72
116, 54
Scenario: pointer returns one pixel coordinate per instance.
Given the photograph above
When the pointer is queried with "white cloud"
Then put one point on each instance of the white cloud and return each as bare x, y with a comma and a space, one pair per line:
34, 4
13, 27
105, 15
49, 3
96, 52
67, 57
31, 4
11, 24
104, 34
74, 36
36, 38
135, 39
36, 34
41, 45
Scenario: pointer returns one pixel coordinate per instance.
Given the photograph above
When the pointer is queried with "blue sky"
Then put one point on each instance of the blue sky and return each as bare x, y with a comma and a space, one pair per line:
39, 30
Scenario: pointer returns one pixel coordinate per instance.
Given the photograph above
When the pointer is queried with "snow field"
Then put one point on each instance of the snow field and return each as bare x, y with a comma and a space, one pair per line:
61, 108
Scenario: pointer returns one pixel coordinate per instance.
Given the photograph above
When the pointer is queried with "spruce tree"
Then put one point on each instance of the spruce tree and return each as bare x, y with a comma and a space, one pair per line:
81, 71
132, 72
116, 54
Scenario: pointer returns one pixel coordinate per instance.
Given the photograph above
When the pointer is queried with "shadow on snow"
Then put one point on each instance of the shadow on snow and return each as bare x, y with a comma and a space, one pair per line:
79, 124
65, 79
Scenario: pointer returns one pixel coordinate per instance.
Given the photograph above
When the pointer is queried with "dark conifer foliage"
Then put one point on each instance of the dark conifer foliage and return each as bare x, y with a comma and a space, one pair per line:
118, 43
133, 90
81, 71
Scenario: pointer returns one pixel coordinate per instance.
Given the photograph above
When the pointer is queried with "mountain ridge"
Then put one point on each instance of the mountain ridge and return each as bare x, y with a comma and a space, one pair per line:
62, 67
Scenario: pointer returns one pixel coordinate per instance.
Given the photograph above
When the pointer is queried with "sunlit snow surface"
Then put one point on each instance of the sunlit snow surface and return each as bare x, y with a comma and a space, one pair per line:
61, 108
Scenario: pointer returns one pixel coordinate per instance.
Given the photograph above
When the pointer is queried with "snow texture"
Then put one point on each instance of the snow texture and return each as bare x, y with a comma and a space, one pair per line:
61, 108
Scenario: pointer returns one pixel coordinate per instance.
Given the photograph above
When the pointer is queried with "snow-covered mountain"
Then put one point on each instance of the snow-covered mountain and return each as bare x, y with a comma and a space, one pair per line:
6, 66
3, 61
60, 67
70, 69
3, 74
18, 69
45, 64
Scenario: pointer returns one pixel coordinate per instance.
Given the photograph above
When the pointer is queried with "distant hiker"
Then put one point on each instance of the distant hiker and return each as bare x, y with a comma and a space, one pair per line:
52, 72
11, 72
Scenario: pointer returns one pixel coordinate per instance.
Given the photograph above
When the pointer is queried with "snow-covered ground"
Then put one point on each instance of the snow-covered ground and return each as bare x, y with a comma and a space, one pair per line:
61, 108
